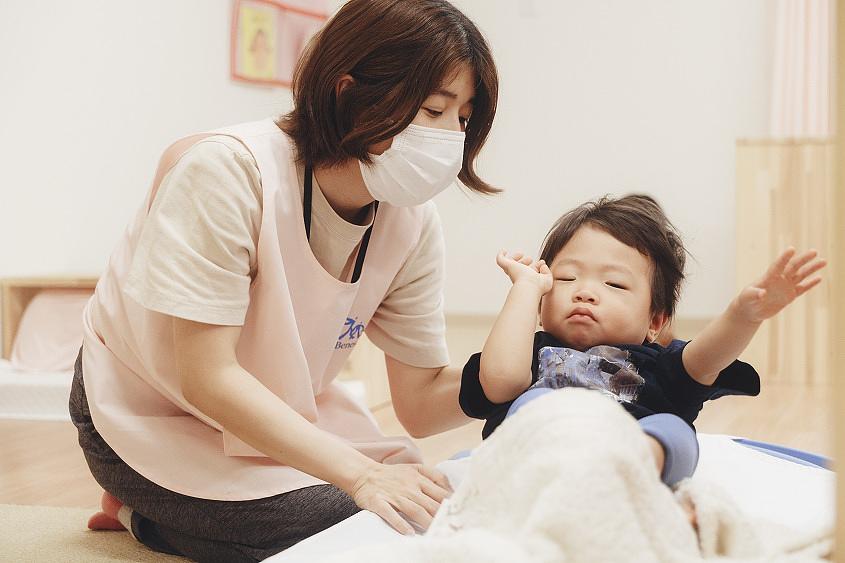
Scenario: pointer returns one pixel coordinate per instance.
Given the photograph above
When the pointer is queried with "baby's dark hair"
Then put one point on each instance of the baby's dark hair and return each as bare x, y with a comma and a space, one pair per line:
638, 221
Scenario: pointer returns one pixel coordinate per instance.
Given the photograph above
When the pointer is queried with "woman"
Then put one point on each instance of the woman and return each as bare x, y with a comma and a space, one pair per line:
206, 409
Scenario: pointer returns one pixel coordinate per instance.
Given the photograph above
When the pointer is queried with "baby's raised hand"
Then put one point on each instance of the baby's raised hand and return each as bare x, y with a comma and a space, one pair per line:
524, 269
787, 278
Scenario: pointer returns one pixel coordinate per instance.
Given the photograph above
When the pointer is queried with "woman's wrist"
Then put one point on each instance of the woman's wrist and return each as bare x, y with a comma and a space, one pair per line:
352, 470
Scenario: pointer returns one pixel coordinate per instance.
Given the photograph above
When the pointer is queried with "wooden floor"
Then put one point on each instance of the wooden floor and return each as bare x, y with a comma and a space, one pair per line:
41, 463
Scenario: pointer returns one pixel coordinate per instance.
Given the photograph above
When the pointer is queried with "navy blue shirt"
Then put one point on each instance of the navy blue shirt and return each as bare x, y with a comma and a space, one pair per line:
668, 388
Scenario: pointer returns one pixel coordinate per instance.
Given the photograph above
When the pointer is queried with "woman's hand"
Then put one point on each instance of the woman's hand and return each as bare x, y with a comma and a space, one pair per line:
414, 490
524, 269
784, 281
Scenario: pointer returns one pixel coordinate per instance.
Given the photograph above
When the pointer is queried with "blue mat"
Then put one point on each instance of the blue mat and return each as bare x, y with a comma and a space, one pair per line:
796, 456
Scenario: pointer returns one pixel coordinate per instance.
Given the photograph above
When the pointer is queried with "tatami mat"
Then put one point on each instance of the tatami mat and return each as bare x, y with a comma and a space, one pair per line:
50, 534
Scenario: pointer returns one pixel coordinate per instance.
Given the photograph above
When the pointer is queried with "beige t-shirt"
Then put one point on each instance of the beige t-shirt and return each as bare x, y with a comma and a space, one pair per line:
207, 214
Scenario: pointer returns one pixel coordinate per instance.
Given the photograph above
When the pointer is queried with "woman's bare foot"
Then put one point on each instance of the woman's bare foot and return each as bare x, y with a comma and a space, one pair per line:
107, 519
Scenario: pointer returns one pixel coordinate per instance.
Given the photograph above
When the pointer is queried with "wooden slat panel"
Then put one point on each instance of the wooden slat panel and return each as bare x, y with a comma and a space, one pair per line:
785, 196
838, 307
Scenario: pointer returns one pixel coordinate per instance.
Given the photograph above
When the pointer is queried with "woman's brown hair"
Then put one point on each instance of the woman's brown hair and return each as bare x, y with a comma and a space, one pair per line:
398, 52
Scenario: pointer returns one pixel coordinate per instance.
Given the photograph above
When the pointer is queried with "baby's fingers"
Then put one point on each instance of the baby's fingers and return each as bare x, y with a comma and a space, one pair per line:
808, 270
503, 259
779, 265
806, 286
507, 257
798, 261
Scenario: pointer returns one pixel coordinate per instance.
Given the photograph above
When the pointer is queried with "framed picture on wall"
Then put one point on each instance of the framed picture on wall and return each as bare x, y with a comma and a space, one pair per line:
269, 35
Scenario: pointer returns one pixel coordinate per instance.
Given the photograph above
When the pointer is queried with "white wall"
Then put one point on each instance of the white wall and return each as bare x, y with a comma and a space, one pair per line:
596, 96
613, 96
91, 92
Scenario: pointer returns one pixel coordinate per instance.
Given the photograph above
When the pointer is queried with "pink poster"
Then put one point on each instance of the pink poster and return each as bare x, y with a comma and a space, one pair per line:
269, 35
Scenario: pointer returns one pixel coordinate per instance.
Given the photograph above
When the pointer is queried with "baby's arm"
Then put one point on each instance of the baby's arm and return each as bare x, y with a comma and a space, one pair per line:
505, 369
674, 445
724, 339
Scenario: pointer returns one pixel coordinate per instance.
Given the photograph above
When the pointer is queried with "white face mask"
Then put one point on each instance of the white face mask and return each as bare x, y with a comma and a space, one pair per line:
420, 164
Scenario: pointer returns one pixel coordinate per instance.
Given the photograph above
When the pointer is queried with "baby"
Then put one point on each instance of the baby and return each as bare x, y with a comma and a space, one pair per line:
606, 285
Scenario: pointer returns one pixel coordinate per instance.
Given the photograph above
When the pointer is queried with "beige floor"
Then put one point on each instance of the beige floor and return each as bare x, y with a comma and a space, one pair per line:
41, 464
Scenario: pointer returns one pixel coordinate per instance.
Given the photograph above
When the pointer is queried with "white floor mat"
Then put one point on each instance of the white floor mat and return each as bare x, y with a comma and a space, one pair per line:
32, 395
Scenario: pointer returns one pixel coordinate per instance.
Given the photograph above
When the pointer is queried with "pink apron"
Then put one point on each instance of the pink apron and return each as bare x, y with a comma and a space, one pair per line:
294, 340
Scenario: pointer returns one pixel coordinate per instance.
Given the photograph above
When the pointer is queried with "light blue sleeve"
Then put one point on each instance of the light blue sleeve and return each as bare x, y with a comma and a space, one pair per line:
679, 443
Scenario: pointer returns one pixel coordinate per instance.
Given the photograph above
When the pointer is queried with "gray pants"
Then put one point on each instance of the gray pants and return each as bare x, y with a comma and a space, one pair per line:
201, 529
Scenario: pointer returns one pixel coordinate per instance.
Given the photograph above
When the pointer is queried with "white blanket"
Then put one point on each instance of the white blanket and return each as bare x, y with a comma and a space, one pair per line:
571, 478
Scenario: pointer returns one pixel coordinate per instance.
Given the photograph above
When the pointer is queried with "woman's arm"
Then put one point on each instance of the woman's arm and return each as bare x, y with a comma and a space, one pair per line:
425, 399
723, 340
214, 382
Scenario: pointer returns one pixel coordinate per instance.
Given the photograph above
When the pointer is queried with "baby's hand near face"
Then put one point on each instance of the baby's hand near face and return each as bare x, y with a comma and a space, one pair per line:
524, 269
787, 278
